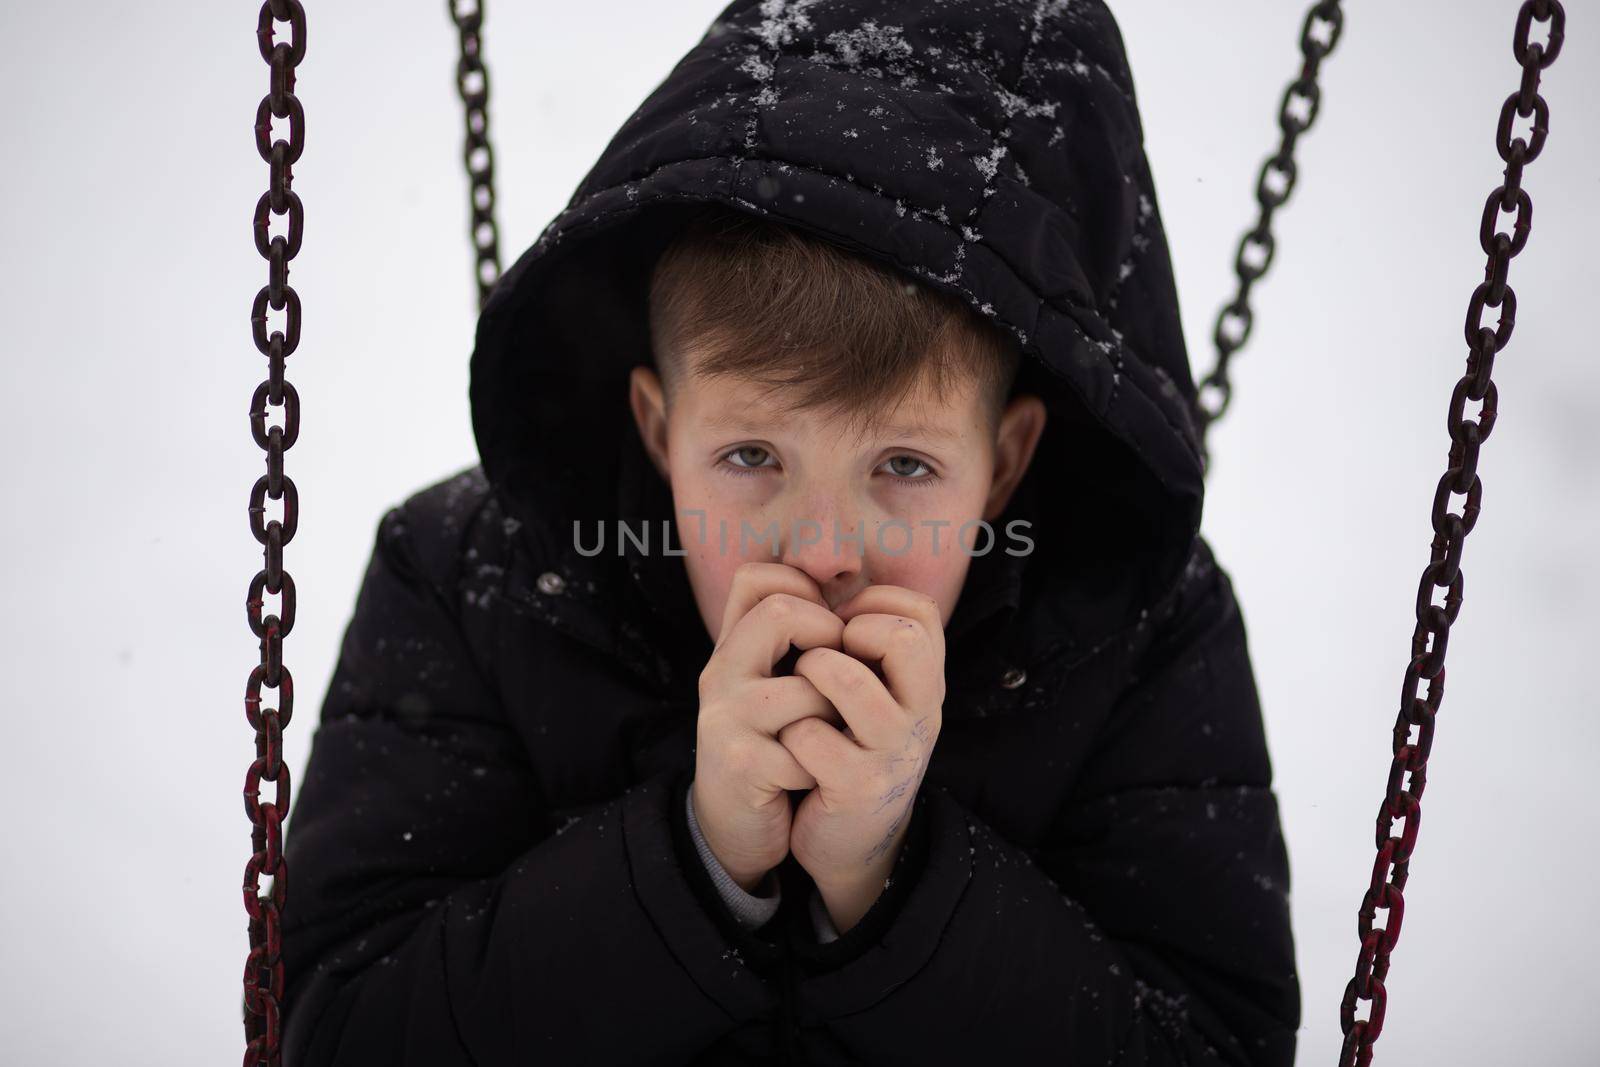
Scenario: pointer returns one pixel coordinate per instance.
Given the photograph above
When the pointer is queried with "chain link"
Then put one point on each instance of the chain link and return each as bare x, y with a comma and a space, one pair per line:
1392, 864
472, 83
263, 969
1233, 324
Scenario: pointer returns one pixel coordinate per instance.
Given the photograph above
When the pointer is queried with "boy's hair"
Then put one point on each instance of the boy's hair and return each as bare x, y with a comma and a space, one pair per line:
826, 327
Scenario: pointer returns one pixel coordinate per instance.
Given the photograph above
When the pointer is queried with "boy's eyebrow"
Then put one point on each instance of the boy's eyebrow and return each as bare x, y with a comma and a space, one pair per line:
920, 429
740, 420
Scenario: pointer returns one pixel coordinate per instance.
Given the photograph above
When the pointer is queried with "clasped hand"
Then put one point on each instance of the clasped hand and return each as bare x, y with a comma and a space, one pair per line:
854, 725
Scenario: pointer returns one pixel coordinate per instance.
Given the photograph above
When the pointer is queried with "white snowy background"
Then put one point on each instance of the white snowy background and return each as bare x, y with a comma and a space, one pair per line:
125, 286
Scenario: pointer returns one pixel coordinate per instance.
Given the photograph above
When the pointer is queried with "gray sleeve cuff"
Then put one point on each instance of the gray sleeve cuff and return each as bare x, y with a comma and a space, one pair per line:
750, 909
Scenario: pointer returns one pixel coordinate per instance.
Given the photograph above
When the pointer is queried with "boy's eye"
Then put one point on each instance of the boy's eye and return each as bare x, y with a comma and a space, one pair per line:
749, 458
909, 473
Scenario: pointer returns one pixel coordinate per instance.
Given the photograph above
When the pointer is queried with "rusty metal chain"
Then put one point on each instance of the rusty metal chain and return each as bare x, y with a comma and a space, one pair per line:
472, 82
1233, 324
263, 969
1450, 531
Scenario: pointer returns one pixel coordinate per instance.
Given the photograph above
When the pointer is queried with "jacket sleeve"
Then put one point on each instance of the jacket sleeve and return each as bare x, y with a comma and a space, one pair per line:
433, 916
1152, 928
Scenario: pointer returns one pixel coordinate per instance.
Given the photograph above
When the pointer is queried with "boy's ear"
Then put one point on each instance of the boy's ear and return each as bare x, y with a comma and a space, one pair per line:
649, 408
1021, 426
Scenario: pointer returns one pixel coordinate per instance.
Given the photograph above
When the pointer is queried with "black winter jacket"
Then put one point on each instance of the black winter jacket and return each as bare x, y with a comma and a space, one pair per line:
488, 856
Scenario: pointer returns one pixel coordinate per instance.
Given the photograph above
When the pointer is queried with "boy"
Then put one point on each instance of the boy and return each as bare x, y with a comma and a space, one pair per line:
862, 282
726, 296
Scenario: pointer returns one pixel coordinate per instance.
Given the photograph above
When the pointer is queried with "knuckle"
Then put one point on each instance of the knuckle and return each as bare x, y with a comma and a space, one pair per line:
707, 682
709, 721
800, 729
907, 636
778, 607
852, 681
748, 569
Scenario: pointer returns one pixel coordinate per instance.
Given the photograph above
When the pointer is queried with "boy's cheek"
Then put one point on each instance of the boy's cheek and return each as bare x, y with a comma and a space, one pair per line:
711, 572
711, 577
939, 577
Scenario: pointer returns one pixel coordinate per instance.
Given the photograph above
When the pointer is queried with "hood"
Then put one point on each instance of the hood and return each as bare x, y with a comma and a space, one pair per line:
989, 149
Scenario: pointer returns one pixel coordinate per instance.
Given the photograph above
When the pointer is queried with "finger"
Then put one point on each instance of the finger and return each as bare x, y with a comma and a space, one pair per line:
764, 634
868, 709
823, 752
777, 766
913, 670
753, 581
770, 704
897, 600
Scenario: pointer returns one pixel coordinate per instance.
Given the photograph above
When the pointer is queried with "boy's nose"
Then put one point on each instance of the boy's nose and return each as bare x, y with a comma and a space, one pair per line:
830, 550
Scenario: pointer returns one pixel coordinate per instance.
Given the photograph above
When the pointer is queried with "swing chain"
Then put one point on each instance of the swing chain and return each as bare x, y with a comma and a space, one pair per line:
1432, 633
1233, 324
263, 970
472, 83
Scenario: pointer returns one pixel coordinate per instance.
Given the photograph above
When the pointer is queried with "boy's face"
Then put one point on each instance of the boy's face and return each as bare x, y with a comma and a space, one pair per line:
733, 464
